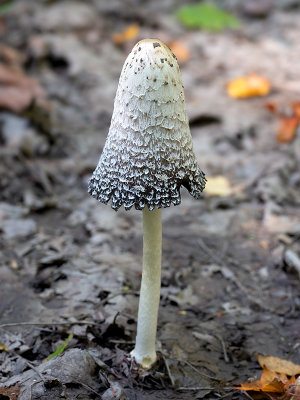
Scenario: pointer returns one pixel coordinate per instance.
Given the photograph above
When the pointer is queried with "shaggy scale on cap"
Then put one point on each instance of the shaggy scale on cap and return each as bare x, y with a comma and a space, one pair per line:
148, 153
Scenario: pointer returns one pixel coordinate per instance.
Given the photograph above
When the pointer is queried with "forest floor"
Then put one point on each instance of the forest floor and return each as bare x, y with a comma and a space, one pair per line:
70, 265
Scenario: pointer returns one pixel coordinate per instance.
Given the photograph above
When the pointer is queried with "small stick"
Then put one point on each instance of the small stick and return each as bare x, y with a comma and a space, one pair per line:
169, 372
31, 366
226, 358
48, 323
88, 387
202, 373
186, 389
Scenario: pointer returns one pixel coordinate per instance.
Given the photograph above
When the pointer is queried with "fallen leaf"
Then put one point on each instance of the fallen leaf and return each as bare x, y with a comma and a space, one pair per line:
269, 382
15, 98
289, 120
287, 129
218, 186
296, 108
294, 390
10, 55
60, 349
128, 34
12, 393
248, 86
279, 365
180, 51
17, 91
206, 16
3, 347
6, 6
264, 244
271, 106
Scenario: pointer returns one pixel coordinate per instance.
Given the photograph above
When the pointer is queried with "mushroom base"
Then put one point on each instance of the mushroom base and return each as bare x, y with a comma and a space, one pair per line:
144, 352
146, 361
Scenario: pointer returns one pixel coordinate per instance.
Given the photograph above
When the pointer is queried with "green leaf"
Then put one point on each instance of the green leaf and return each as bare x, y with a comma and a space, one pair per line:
206, 16
60, 348
6, 6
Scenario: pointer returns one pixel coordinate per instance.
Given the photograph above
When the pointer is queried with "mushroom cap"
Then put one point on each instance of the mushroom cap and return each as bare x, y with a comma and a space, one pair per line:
148, 152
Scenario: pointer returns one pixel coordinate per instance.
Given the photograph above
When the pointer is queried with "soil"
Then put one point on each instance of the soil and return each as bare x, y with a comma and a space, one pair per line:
72, 266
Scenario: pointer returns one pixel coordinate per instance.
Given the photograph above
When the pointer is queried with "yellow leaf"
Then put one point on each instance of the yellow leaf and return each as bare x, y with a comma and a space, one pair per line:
128, 34
218, 186
3, 347
248, 86
278, 365
264, 244
269, 382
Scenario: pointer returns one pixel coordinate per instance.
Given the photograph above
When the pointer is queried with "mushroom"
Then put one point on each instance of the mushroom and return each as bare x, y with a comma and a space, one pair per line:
147, 156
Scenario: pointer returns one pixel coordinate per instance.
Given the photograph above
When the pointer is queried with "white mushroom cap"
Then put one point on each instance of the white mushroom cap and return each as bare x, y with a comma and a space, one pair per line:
148, 153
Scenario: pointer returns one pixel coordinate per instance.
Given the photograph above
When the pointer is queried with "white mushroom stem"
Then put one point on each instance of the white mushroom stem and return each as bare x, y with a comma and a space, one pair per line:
144, 352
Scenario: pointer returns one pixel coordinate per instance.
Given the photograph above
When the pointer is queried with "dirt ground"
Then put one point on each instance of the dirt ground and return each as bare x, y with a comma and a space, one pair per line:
231, 264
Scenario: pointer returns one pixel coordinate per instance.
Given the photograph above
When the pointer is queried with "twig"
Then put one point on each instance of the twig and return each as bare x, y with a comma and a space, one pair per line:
224, 396
168, 371
196, 388
124, 315
49, 323
202, 373
33, 368
88, 387
29, 364
226, 358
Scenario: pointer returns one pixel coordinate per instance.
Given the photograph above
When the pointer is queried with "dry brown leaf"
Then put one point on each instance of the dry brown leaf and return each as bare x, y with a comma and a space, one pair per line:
15, 98
287, 129
271, 106
296, 108
17, 91
130, 33
180, 51
10, 55
289, 120
269, 382
11, 76
276, 364
264, 244
248, 86
11, 393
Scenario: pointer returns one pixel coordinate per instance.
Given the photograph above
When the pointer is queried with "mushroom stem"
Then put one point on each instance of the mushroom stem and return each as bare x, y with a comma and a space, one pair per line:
144, 352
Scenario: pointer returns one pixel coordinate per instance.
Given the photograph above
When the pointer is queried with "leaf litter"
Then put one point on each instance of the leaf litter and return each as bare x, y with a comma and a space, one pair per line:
224, 295
274, 380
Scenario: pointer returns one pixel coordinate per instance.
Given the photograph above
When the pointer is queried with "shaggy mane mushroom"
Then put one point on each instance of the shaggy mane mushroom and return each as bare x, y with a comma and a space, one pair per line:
147, 157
